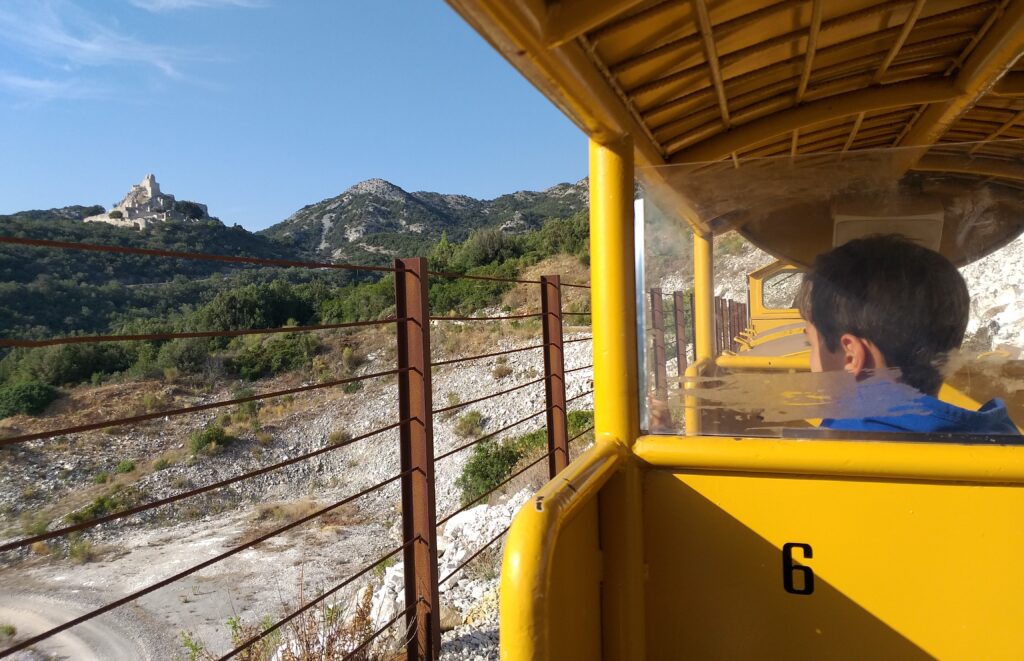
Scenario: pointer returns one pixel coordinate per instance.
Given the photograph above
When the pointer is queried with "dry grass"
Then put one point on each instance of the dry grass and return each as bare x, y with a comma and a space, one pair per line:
319, 632
269, 516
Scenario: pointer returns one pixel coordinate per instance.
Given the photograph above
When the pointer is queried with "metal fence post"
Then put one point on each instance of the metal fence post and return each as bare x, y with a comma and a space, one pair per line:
693, 324
658, 321
554, 373
419, 516
679, 314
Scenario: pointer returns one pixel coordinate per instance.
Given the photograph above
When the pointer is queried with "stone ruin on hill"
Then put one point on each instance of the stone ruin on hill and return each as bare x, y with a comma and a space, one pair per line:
146, 204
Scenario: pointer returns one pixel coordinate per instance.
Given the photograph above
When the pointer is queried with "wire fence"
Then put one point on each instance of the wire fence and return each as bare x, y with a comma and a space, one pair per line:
412, 370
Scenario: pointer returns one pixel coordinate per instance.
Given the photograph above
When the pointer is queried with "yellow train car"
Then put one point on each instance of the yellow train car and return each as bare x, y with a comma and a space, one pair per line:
799, 124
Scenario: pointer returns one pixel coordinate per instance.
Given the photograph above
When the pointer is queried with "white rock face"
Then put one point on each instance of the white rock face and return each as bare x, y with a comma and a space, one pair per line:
143, 205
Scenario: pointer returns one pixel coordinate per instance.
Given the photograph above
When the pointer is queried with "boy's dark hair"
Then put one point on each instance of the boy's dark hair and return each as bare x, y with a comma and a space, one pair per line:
911, 302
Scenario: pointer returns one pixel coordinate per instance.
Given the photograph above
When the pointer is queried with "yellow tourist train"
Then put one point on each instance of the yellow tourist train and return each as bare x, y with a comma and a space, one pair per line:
799, 125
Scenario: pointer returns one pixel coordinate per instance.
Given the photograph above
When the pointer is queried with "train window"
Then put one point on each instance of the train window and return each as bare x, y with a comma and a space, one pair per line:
779, 291
914, 297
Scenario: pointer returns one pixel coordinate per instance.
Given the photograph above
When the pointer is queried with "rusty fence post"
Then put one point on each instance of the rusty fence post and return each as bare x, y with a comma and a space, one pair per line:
734, 322
554, 373
718, 325
693, 325
658, 338
419, 516
679, 315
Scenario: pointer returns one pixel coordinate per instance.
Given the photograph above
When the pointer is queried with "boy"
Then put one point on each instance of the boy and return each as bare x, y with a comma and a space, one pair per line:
889, 312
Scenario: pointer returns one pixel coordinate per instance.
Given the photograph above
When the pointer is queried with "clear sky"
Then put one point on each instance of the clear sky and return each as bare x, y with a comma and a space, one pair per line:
258, 107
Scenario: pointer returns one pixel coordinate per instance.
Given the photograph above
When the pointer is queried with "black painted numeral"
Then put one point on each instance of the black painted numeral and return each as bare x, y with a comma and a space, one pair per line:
791, 568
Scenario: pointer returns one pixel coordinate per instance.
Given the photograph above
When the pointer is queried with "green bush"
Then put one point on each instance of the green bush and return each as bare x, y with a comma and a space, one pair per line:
161, 463
489, 464
470, 424
125, 466
188, 355
207, 439
30, 398
101, 478
281, 353
117, 499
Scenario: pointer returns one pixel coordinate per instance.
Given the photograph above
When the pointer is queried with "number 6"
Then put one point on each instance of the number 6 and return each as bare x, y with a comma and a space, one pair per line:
791, 567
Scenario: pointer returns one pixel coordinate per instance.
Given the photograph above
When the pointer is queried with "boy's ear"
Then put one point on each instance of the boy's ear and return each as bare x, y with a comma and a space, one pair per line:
860, 355
855, 354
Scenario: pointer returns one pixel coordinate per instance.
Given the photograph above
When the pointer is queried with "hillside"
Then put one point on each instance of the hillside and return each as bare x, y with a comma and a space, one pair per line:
376, 220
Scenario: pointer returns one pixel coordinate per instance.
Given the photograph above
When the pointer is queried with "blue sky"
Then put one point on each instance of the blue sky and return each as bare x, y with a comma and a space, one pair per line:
258, 107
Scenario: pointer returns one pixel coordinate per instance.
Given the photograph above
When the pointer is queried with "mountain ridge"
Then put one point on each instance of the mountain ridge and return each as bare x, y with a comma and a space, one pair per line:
364, 222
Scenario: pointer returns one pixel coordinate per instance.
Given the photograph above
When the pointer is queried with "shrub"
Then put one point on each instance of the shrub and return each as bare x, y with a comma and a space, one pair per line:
489, 464
501, 369
208, 439
278, 354
8, 630
34, 523
102, 477
339, 436
30, 398
188, 355
81, 551
117, 499
352, 387
125, 466
116, 213
470, 424
161, 463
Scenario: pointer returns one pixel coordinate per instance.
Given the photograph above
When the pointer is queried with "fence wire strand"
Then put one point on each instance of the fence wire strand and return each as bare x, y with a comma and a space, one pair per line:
489, 435
60, 532
193, 569
497, 394
475, 554
485, 355
495, 488
388, 625
90, 339
582, 394
190, 409
533, 315
291, 616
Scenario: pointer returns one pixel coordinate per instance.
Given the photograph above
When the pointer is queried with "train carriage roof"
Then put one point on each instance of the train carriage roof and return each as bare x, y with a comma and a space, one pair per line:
927, 93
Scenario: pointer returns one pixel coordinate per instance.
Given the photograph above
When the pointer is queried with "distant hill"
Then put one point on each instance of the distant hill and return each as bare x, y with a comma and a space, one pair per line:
376, 220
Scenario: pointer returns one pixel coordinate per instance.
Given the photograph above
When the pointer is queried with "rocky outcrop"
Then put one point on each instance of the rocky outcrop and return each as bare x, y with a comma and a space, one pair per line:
145, 204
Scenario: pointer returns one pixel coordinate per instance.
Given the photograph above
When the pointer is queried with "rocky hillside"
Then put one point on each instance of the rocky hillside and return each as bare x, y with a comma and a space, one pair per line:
376, 219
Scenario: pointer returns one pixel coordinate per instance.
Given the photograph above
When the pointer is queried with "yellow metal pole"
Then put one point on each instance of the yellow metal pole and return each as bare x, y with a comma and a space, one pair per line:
616, 397
613, 292
703, 296
703, 323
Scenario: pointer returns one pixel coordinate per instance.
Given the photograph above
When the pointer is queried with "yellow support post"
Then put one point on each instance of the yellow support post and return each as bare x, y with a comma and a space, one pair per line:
616, 403
616, 409
703, 326
703, 297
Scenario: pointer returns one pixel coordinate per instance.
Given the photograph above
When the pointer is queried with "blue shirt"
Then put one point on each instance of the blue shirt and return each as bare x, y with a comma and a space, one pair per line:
903, 409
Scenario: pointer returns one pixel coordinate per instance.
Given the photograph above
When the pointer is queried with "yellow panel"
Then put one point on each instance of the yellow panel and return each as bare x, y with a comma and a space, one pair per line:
553, 565
902, 570
574, 624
